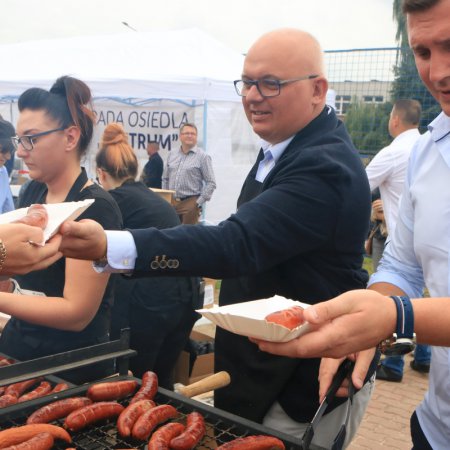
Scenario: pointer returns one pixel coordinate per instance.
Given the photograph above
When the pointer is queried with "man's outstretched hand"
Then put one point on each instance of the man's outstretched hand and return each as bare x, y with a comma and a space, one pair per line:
85, 239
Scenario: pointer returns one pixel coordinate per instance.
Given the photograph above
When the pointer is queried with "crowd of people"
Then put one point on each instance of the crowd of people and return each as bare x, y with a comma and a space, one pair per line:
299, 231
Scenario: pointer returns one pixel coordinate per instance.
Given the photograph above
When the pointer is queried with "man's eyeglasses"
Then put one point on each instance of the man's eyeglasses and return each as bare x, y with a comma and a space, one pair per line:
27, 140
267, 87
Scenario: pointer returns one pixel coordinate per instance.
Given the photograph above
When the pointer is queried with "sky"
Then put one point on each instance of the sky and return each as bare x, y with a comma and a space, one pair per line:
337, 24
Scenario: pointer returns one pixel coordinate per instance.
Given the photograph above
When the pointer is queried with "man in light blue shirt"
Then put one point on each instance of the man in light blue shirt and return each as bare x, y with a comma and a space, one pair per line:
417, 255
6, 151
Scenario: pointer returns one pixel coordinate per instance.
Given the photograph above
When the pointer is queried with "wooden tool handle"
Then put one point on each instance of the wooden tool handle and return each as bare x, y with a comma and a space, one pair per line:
215, 381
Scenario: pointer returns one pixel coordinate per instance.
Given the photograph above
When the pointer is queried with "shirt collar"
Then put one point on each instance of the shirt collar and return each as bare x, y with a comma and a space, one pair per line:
193, 149
440, 131
277, 149
439, 127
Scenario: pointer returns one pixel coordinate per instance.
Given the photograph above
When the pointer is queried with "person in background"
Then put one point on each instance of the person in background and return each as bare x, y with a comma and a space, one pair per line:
387, 171
71, 308
190, 174
160, 311
298, 232
378, 230
6, 152
418, 253
152, 172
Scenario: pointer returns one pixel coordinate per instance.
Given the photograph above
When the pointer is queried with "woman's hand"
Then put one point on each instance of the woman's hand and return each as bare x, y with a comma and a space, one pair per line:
23, 254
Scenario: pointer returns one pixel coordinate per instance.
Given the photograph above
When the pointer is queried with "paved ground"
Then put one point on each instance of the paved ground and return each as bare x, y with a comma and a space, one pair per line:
386, 422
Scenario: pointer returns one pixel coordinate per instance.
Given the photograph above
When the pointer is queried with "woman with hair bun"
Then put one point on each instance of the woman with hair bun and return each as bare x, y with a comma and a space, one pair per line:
54, 130
159, 311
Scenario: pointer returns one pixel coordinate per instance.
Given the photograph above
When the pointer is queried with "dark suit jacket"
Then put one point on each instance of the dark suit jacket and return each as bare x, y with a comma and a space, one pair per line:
302, 237
152, 171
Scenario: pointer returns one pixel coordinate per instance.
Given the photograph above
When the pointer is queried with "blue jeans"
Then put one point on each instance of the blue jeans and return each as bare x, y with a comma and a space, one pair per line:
422, 355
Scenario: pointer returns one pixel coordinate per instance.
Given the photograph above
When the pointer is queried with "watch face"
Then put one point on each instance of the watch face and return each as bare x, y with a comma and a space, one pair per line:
400, 347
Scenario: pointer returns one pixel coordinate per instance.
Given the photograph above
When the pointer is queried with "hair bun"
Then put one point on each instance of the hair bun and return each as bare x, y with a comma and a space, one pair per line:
114, 134
59, 88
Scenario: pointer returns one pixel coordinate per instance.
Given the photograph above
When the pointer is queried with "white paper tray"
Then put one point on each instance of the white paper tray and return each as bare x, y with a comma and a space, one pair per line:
57, 214
247, 319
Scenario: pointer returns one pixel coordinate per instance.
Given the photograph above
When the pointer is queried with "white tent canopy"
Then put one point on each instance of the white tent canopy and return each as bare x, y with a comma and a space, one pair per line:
183, 64
137, 78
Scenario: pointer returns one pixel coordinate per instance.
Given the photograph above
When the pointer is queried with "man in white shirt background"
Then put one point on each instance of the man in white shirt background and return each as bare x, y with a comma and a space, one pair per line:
387, 171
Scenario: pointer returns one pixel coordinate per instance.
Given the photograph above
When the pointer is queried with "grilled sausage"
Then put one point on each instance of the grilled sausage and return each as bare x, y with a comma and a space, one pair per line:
5, 361
150, 419
148, 388
113, 390
58, 409
59, 387
16, 435
132, 413
42, 441
81, 418
192, 435
43, 389
17, 389
7, 400
162, 436
290, 318
260, 442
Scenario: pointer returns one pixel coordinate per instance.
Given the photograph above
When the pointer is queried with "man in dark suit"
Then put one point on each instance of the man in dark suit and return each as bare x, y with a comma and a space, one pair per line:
152, 172
299, 232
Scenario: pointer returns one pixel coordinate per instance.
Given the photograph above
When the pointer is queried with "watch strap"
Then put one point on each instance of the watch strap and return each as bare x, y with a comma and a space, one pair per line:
405, 317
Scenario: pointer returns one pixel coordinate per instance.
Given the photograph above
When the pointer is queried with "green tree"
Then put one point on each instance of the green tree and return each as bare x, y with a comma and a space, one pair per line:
407, 83
367, 125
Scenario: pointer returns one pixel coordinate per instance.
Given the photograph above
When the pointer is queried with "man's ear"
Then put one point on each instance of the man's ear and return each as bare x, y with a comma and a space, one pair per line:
320, 90
395, 120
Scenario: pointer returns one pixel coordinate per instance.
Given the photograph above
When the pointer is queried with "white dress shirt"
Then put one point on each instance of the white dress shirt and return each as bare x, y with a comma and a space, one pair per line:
387, 171
419, 254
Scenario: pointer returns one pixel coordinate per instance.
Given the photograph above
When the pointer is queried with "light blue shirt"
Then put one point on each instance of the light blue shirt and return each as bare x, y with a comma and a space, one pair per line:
6, 199
419, 254
276, 151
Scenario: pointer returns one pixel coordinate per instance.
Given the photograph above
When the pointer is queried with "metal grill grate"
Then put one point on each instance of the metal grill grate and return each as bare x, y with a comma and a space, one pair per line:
221, 426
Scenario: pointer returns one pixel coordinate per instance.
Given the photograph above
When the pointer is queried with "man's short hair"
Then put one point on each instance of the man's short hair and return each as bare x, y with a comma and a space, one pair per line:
6, 132
408, 110
188, 124
412, 6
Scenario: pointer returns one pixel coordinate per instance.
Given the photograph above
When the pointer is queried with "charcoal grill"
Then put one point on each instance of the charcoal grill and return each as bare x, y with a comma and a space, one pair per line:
221, 426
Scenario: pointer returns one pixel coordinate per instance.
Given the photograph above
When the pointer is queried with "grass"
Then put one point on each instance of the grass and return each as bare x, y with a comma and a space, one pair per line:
367, 264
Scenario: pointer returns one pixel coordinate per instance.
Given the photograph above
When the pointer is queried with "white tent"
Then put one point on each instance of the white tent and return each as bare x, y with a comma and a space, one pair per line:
150, 82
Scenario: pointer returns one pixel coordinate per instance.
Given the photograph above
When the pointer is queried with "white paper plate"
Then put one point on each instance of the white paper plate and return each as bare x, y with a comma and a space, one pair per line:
247, 319
57, 214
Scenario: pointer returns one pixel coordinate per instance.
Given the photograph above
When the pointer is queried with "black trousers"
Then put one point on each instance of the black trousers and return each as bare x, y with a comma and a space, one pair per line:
418, 437
159, 337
